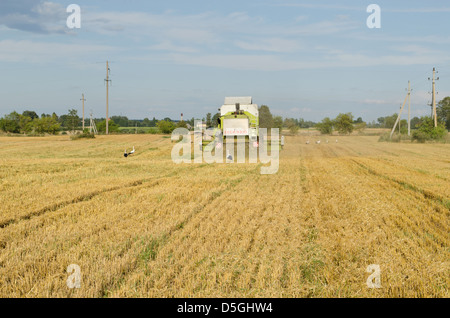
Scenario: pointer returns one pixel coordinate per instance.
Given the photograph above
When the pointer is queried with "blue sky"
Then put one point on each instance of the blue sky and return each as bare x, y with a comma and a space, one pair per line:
305, 59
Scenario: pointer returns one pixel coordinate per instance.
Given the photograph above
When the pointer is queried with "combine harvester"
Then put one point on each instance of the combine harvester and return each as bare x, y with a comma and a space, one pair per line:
239, 117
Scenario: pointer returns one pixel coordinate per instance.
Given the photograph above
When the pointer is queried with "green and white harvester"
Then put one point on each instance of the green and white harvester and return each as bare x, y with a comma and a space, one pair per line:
239, 117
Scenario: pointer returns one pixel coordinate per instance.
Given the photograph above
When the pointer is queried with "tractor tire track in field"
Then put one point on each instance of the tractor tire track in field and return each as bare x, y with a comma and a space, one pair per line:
81, 198
405, 185
429, 228
85, 197
151, 249
389, 162
60, 205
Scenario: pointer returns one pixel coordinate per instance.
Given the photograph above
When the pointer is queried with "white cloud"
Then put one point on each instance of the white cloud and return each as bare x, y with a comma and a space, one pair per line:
334, 59
270, 45
302, 110
37, 52
378, 102
169, 46
33, 16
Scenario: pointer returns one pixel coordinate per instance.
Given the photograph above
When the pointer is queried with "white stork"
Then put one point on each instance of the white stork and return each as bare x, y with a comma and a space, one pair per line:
130, 153
229, 156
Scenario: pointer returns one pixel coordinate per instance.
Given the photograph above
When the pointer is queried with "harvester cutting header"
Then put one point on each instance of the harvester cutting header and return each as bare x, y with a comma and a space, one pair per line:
239, 117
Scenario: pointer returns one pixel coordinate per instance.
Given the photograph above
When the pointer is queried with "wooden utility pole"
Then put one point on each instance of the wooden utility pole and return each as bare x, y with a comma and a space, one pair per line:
82, 98
409, 108
433, 103
107, 102
92, 126
399, 115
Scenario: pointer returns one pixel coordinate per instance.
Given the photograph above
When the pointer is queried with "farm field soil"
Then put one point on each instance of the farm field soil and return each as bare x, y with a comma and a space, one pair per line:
143, 226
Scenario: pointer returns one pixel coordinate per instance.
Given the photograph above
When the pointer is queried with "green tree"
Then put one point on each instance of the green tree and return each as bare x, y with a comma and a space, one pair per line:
278, 123
72, 120
344, 123
306, 124
112, 126
165, 126
146, 122
291, 124
326, 126
26, 123
358, 121
122, 121
403, 126
443, 111
414, 122
215, 120
181, 124
130, 123
265, 117
389, 121
30, 113
46, 125
426, 130
360, 126
208, 120
10, 123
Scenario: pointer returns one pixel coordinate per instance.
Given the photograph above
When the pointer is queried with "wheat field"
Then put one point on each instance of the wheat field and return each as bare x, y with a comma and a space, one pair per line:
143, 226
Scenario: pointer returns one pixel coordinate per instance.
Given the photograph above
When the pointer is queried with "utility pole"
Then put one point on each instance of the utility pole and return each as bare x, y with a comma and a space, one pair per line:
409, 108
399, 116
107, 80
82, 98
433, 102
92, 126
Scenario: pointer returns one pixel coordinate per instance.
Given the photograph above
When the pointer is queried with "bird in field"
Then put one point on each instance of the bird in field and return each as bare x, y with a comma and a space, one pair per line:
318, 142
229, 156
126, 154
307, 142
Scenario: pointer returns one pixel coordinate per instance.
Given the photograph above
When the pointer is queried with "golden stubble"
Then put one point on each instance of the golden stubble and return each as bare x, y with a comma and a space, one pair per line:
145, 227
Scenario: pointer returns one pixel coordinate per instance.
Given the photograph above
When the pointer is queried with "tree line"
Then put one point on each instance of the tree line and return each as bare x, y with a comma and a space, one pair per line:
29, 122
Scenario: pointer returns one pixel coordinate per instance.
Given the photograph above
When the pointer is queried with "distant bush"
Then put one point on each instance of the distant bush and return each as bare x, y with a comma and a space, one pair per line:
427, 131
419, 136
343, 123
386, 137
165, 126
360, 127
84, 135
112, 127
326, 126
